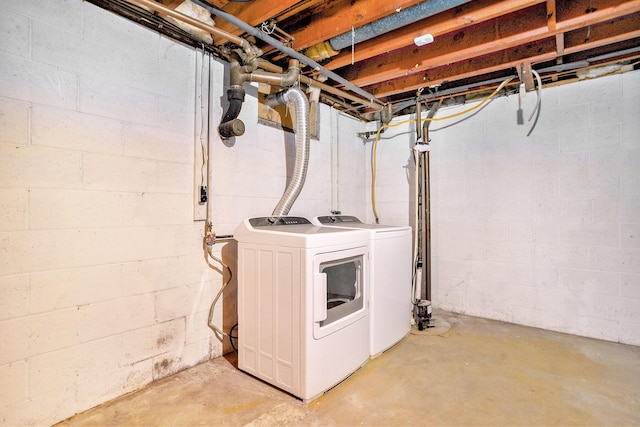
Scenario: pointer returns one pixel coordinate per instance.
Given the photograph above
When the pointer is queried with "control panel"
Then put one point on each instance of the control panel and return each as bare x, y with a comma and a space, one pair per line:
269, 221
341, 219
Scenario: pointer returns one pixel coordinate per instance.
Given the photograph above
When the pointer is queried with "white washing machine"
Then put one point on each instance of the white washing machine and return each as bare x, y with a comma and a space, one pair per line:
303, 315
391, 268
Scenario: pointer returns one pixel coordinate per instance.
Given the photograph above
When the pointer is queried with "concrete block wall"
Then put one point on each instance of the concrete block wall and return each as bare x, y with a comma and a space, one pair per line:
250, 172
539, 230
103, 283
394, 177
103, 288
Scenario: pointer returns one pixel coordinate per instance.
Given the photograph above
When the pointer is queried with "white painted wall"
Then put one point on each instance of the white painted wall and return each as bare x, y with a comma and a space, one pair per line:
103, 283
541, 230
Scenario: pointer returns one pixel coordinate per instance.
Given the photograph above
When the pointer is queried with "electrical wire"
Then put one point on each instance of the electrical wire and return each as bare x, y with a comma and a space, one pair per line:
233, 337
536, 110
219, 332
203, 148
374, 149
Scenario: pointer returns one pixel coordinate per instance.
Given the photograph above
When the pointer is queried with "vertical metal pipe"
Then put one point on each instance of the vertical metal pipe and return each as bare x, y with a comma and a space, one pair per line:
418, 120
426, 238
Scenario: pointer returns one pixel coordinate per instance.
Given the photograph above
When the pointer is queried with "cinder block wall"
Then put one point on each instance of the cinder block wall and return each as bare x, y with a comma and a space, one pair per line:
541, 230
103, 283
101, 275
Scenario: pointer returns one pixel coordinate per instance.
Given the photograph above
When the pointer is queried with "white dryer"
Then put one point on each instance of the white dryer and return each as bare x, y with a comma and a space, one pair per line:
303, 322
391, 268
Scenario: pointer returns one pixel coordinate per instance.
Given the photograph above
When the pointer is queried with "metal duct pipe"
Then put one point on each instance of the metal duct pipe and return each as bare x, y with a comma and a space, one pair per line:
391, 22
286, 50
296, 97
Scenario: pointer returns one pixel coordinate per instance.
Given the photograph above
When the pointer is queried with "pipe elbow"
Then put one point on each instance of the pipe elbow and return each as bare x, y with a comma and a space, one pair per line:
235, 74
284, 80
292, 75
230, 125
386, 114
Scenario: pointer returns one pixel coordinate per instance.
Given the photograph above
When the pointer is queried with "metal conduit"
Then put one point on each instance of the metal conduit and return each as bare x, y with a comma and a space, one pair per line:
286, 50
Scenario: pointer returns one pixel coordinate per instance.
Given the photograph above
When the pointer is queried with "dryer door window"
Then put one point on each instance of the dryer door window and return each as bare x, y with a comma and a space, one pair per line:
339, 289
342, 284
344, 288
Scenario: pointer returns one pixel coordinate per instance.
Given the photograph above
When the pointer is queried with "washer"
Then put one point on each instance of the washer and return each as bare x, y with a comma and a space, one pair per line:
390, 298
303, 315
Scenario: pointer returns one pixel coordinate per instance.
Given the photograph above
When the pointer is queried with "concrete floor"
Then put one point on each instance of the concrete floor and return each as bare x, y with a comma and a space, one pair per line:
465, 371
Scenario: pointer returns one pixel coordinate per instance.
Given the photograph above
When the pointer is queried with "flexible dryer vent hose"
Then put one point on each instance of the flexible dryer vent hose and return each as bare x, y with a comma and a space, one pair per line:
296, 97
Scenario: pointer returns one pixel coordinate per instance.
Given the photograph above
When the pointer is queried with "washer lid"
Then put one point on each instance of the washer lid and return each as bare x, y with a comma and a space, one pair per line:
296, 232
347, 221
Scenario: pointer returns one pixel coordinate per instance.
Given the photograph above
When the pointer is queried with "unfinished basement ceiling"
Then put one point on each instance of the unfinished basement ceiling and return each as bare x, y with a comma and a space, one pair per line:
475, 43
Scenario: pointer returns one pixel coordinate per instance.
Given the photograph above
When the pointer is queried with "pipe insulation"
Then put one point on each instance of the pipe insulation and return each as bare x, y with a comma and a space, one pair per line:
159, 7
286, 50
298, 100
399, 19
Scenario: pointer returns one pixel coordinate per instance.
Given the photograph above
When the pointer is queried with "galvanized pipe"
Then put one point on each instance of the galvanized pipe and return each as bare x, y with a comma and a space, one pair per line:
266, 65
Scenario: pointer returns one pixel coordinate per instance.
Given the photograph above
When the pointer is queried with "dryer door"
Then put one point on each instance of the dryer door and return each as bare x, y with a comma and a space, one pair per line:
340, 289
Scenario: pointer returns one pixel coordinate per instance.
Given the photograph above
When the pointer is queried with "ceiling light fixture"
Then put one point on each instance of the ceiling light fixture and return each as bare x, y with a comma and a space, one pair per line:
423, 39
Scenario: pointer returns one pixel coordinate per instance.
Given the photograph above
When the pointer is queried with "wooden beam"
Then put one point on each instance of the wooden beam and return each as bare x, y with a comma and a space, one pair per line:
560, 44
571, 14
299, 8
253, 13
217, 3
543, 51
499, 34
551, 15
172, 4
493, 36
540, 52
604, 34
451, 20
525, 75
339, 16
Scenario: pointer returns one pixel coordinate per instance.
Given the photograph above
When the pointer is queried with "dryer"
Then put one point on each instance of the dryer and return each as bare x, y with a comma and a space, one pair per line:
391, 269
303, 315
